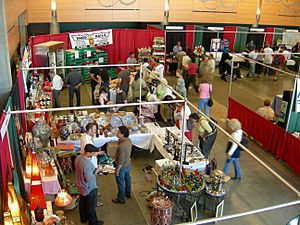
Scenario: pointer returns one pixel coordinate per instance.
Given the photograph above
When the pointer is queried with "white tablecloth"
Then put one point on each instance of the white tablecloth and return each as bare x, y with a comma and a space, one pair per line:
144, 141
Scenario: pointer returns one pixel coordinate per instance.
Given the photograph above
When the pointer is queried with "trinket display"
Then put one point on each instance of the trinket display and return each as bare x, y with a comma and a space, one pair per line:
216, 186
191, 180
42, 131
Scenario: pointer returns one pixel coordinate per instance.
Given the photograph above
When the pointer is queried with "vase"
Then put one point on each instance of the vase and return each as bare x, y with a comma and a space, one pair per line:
42, 131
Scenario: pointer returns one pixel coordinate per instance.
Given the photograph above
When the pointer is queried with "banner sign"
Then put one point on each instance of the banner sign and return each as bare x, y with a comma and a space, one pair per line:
91, 39
297, 102
218, 45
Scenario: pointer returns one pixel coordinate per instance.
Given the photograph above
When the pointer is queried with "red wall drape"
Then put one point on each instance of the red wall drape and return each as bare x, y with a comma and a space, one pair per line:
124, 41
272, 137
230, 36
269, 35
190, 36
5, 160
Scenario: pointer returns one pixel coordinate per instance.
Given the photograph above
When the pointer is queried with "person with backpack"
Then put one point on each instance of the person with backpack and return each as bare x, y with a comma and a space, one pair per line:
233, 150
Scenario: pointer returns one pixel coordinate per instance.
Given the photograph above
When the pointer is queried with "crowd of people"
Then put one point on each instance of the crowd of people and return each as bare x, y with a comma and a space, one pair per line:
195, 69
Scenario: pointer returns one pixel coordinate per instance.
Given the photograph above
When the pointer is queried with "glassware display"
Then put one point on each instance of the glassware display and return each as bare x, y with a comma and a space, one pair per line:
42, 131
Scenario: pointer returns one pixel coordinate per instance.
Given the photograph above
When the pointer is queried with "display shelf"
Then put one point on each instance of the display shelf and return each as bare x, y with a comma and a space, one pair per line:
159, 48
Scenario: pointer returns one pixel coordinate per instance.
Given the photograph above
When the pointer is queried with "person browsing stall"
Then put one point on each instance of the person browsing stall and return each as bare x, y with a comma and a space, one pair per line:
123, 167
73, 82
87, 185
57, 85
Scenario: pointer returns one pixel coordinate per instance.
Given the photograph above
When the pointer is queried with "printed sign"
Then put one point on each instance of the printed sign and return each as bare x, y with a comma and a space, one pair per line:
91, 39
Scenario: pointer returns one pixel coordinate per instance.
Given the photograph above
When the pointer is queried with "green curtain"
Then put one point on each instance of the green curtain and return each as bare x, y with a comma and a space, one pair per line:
15, 150
277, 36
198, 36
240, 39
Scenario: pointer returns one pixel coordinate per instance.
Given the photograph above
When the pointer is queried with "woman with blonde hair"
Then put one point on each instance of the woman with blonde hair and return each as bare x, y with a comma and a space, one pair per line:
233, 150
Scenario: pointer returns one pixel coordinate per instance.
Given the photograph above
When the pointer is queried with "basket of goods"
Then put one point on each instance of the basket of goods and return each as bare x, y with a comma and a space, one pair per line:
190, 181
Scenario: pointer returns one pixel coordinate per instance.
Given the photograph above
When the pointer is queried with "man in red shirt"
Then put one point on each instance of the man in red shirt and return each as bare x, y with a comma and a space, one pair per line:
192, 76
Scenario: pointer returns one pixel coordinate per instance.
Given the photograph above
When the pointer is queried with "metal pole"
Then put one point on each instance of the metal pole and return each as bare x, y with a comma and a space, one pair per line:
215, 219
90, 107
140, 91
231, 77
81, 66
182, 128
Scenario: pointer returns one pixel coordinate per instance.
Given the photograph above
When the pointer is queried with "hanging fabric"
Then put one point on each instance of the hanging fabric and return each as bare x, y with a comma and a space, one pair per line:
241, 39
198, 36
230, 36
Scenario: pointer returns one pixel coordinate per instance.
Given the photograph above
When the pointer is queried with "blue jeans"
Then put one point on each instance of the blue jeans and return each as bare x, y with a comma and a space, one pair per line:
202, 104
237, 169
87, 207
124, 183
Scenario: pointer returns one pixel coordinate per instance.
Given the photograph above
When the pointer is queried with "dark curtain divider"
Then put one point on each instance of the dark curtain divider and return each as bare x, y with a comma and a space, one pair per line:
172, 38
258, 39
230, 36
272, 137
277, 37
240, 39
198, 36
22, 100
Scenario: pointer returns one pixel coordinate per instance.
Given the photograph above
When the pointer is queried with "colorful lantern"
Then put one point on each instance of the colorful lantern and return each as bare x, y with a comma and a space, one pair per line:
63, 199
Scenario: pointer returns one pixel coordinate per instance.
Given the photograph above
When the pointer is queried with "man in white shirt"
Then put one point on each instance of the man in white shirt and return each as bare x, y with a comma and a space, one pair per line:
268, 58
57, 84
177, 48
160, 69
251, 70
287, 56
87, 138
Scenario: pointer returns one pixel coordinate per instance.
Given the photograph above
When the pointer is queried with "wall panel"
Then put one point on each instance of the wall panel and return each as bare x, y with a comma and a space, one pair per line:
39, 15
179, 16
126, 15
39, 4
147, 15
70, 4
64, 15
98, 15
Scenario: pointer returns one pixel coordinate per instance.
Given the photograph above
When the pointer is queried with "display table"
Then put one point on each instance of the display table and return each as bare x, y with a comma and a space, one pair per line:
50, 184
143, 141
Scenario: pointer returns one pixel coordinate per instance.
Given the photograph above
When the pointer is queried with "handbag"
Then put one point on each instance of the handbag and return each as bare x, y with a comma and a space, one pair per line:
210, 102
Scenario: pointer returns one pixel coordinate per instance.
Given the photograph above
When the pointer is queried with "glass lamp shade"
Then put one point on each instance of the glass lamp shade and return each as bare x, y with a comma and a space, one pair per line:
63, 199
35, 171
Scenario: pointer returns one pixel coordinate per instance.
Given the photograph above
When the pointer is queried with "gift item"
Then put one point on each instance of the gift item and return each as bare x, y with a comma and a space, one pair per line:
42, 131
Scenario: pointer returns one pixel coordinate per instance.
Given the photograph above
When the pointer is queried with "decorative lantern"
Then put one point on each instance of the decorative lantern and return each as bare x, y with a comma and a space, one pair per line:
28, 164
35, 173
13, 204
63, 199
7, 218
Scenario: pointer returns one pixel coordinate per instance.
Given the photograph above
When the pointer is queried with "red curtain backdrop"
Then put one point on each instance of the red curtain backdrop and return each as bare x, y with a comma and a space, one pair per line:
269, 35
22, 98
230, 36
5, 160
124, 41
272, 137
190, 36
